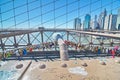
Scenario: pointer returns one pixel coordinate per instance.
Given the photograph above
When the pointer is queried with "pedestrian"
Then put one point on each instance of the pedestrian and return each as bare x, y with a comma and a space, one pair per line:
99, 51
113, 53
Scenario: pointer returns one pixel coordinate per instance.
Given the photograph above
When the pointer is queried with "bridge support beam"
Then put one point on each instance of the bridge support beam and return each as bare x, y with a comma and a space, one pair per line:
15, 42
91, 41
80, 39
42, 40
3, 48
67, 35
29, 43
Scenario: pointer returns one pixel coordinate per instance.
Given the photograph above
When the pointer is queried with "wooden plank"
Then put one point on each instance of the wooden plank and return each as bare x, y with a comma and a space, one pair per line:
21, 76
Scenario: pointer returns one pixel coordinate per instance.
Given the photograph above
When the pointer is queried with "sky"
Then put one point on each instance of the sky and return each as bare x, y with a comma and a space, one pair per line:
50, 13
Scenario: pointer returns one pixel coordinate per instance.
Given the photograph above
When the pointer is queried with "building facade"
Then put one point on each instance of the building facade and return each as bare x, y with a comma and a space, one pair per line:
77, 24
101, 19
118, 20
112, 22
95, 23
106, 23
87, 22
92, 24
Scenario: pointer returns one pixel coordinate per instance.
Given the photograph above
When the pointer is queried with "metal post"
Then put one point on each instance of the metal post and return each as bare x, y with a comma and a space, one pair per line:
28, 36
91, 42
102, 41
55, 46
15, 42
112, 42
2, 46
55, 43
80, 39
119, 43
42, 40
68, 38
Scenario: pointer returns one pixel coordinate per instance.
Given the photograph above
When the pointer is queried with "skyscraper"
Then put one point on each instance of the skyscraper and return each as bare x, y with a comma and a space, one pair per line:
91, 24
82, 26
77, 24
87, 22
118, 20
101, 19
112, 22
94, 23
106, 23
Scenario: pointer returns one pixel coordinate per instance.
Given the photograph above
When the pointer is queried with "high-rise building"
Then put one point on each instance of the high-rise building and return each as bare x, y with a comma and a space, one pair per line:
101, 19
87, 22
118, 20
119, 27
95, 22
106, 23
82, 25
112, 22
77, 24
91, 24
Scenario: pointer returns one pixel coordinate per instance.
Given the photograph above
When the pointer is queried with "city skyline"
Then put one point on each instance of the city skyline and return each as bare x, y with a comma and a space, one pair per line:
104, 22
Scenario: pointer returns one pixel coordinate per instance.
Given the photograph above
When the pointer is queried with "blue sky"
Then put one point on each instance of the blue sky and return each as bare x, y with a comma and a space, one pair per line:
53, 13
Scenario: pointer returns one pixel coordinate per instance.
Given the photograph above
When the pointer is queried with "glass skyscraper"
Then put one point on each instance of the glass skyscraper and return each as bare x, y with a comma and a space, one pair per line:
112, 22
101, 19
77, 24
107, 21
94, 23
87, 22
118, 20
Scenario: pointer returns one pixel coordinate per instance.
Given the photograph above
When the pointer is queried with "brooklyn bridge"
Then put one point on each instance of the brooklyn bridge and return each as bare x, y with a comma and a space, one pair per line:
30, 25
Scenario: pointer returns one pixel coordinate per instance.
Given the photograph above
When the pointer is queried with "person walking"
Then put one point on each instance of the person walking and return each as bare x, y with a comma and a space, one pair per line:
113, 53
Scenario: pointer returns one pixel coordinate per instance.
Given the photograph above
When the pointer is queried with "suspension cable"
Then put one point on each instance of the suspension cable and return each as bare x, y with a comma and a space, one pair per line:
1, 19
28, 14
66, 14
14, 14
54, 14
